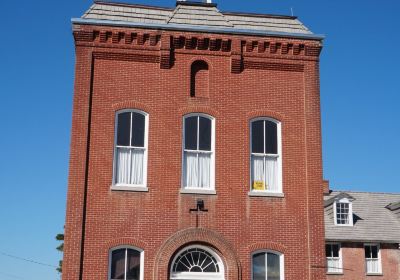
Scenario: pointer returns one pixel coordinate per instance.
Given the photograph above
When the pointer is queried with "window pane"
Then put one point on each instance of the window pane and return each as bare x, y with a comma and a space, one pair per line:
257, 173
190, 169
273, 267
138, 129
118, 264
191, 133
259, 266
257, 137
271, 174
123, 130
335, 251
374, 252
133, 265
205, 134
204, 170
271, 140
328, 250
367, 251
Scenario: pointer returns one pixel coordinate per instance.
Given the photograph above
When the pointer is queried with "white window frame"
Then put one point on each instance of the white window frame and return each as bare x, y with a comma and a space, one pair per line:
279, 192
131, 187
340, 259
141, 251
195, 275
379, 272
281, 262
345, 201
211, 189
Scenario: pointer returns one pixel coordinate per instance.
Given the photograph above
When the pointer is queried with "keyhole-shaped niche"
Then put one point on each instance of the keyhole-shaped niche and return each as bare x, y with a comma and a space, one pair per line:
199, 79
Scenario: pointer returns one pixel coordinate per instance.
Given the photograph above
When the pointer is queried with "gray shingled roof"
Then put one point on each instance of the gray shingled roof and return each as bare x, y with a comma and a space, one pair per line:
373, 220
192, 15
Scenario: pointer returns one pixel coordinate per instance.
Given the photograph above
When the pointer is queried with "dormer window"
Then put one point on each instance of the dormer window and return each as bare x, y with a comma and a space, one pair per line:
343, 212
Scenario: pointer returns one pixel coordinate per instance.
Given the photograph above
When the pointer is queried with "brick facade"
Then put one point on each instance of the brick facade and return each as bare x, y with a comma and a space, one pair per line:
354, 263
119, 68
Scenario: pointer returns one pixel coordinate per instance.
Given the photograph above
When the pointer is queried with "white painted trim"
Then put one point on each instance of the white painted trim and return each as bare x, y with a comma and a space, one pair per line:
141, 251
278, 156
379, 259
128, 187
340, 259
343, 200
212, 164
197, 276
197, 191
265, 194
281, 262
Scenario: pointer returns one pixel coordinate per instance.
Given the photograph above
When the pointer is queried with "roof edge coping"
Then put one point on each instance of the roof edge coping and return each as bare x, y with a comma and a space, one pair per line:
193, 28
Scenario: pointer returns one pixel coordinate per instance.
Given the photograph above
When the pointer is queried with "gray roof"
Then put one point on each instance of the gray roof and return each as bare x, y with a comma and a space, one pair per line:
373, 220
193, 15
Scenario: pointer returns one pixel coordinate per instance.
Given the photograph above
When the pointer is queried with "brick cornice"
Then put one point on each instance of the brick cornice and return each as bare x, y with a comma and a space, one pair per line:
245, 52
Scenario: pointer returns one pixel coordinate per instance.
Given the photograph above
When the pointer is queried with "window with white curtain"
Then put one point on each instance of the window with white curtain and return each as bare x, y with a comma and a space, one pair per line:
267, 266
198, 152
372, 259
126, 263
130, 162
333, 258
343, 212
266, 159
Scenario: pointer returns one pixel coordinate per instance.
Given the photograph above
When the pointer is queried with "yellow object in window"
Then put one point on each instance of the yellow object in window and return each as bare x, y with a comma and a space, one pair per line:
258, 186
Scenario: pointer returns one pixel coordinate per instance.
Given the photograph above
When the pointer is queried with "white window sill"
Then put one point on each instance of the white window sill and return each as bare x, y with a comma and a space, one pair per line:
198, 191
335, 273
266, 194
344, 225
129, 188
375, 274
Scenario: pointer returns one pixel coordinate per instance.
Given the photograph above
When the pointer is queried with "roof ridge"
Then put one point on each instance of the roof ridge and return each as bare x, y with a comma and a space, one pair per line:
348, 191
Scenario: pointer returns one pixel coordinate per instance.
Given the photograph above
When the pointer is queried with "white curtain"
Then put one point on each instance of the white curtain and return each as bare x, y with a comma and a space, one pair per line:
196, 170
372, 265
265, 169
129, 166
204, 170
333, 265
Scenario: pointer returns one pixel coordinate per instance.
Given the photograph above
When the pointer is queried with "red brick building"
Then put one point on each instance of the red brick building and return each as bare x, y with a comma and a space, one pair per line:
362, 232
196, 146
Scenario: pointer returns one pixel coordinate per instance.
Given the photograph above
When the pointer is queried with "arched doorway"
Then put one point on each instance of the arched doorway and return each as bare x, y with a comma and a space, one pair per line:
197, 262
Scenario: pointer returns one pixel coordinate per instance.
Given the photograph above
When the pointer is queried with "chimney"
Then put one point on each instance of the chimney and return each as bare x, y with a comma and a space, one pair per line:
325, 185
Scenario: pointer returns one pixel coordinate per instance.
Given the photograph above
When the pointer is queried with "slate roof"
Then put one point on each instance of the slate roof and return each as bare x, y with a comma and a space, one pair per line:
193, 15
374, 221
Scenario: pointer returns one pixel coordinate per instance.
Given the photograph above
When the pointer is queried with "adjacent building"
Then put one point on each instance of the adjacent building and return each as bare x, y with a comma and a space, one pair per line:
196, 146
362, 231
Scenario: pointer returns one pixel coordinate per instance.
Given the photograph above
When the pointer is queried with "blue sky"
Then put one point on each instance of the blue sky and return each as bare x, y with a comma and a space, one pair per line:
360, 95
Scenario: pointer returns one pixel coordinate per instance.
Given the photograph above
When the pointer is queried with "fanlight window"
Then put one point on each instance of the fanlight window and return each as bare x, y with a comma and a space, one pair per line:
196, 263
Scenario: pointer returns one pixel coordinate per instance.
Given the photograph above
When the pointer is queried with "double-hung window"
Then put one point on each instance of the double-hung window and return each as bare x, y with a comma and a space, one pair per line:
333, 258
267, 266
266, 159
343, 212
198, 152
372, 259
130, 161
126, 264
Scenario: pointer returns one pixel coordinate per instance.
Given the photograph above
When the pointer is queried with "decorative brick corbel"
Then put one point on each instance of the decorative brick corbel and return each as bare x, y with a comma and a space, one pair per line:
166, 52
85, 36
236, 57
313, 50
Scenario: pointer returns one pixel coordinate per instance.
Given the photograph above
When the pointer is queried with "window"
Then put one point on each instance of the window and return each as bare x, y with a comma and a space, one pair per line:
130, 162
265, 156
343, 212
198, 152
267, 266
197, 262
372, 259
126, 264
333, 258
